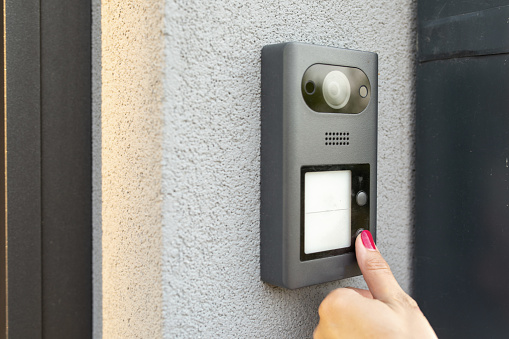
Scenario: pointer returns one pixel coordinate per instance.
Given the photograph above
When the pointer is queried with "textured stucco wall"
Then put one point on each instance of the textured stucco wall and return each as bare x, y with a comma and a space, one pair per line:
211, 141
176, 160
128, 133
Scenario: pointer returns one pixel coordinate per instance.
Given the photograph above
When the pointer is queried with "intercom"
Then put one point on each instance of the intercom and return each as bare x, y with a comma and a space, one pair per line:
318, 161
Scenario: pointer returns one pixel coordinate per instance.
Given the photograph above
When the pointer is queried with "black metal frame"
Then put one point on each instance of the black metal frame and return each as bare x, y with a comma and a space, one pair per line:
461, 184
46, 273
359, 214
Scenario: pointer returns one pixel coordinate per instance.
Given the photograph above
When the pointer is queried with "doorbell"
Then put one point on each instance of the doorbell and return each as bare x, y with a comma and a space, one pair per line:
318, 161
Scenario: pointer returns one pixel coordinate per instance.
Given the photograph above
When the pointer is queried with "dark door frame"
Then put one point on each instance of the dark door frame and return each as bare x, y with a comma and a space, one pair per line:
460, 277
46, 271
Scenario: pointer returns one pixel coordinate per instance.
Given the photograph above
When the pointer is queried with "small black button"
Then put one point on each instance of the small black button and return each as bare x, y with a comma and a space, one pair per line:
361, 198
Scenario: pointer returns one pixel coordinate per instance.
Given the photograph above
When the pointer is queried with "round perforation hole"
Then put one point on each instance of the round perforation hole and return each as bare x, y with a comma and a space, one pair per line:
337, 138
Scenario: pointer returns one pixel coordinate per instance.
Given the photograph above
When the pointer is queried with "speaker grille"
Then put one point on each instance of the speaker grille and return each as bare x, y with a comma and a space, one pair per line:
337, 138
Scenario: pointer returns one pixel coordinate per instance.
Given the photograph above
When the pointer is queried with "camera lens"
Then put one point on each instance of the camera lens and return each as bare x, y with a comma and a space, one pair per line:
310, 87
336, 89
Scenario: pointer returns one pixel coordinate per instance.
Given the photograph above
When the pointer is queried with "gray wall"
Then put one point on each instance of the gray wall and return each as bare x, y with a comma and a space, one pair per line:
176, 160
211, 140
128, 125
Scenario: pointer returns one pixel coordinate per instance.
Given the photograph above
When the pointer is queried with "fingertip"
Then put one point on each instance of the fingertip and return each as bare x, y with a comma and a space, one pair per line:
374, 268
367, 240
364, 244
358, 240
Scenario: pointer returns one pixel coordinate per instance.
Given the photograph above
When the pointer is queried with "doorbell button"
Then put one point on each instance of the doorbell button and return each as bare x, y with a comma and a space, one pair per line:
336, 89
361, 198
363, 91
359, 231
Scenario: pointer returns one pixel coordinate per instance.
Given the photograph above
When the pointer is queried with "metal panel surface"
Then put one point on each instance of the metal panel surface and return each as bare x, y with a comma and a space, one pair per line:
46, 268
66, 168
461, 280
437, 9
23, 171
462, 203
478, 33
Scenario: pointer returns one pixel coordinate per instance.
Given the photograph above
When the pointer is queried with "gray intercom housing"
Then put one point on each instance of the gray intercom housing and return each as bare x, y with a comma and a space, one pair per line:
318, 161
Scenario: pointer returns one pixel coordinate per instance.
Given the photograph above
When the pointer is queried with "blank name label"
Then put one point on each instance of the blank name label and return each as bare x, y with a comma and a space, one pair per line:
327, 214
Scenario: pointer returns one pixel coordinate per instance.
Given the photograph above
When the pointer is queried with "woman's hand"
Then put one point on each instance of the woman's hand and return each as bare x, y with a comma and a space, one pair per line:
385, 311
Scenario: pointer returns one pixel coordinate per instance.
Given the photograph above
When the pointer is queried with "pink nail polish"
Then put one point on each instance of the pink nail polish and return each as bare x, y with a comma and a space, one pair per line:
367, 240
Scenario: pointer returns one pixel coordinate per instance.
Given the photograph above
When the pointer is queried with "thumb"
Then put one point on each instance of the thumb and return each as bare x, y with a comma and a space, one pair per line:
377, 274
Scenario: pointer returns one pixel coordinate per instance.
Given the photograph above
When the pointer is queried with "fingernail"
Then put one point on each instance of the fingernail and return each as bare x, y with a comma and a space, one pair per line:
367, 240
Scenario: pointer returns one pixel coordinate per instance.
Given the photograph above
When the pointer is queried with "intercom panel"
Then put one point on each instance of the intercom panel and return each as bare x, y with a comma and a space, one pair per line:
318, 161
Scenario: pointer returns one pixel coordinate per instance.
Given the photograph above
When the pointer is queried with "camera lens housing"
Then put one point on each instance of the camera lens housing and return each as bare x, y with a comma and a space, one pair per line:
335, 89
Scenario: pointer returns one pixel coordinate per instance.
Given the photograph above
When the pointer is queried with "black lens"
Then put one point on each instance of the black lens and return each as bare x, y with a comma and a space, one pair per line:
310, 87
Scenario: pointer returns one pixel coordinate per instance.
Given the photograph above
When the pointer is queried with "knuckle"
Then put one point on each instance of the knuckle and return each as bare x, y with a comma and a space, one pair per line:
323, 308
412, 303
406, 302
317, 334
333, 302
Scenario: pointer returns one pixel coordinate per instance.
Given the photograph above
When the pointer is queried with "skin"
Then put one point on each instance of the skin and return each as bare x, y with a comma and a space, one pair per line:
385, 311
